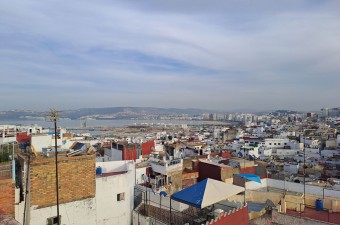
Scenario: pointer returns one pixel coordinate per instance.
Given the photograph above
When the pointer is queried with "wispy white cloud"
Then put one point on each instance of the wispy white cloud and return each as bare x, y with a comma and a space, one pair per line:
206, 54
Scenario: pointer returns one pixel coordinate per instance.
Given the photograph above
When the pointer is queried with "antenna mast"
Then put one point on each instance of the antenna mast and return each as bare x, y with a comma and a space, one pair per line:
54, 118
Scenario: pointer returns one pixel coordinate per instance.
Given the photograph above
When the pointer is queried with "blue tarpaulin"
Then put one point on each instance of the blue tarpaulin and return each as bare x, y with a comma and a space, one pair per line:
192, 195
206, 192
251, 177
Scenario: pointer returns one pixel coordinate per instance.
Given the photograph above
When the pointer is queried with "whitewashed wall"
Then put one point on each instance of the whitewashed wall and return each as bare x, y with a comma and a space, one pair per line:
109, 209
296, 187
252, 185
73, 213
103, 209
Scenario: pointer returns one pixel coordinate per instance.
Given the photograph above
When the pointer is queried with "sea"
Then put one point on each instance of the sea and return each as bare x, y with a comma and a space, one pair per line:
68, 123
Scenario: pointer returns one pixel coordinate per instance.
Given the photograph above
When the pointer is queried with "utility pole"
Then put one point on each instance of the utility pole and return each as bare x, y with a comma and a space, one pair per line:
54, 118
13, 163
244, 171
304, 171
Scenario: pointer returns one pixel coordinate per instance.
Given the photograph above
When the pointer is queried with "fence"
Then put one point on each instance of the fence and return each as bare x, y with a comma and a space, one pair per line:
6, 152
300, 188
159, 209
162, 210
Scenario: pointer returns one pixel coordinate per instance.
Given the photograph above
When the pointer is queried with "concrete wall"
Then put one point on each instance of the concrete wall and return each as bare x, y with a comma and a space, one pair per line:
140, 175
293, 202
114, 166
252, 185
108, 209
44, 141
114, 154
208, 170
189, 179
176, 179
165, 168
238, 216
228, 172
284, 219
72, 213
187, 163
296, 187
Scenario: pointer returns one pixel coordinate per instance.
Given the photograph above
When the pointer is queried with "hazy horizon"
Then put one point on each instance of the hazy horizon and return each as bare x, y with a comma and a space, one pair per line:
219, 55
244, 110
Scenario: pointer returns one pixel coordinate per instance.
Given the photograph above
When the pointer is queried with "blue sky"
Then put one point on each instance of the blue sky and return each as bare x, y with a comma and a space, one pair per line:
215, 54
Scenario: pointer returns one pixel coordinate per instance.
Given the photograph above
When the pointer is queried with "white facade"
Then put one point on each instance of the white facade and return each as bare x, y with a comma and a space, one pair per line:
104, 209
295, 145
42, 141
111, 210
141, 175
34, 130
114, 154
329, 153
312, 151
276, 143
265, 152
45, 140
285, 134
166, 167
7, 133
291, 168
249, 150
159, 147
286, 152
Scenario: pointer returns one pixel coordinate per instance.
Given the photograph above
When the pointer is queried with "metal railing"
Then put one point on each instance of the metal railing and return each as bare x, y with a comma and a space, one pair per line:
163, 214
313, 212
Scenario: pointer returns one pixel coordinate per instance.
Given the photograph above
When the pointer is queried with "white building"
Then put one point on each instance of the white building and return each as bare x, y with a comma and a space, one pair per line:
291, 168
7, 133
112, 204
286, 152
265, 152
276, 143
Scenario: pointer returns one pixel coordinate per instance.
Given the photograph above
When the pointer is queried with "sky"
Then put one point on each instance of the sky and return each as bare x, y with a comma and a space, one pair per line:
216, 54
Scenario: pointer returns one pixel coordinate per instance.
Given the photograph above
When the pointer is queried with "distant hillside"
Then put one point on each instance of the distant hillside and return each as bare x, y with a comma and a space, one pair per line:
122, 112
74, 114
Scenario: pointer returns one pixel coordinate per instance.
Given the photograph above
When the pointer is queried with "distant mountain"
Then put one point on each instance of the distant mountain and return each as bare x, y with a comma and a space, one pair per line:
114, 112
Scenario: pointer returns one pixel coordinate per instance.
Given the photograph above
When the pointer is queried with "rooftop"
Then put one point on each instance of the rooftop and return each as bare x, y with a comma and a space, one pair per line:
311, 213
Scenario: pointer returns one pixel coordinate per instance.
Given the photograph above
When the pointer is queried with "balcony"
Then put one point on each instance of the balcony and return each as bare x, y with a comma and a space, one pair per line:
166, 167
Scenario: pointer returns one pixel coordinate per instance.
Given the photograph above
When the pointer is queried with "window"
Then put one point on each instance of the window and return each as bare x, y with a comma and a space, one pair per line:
270, 143
53, 220
121, 196
274, 143
279, 143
